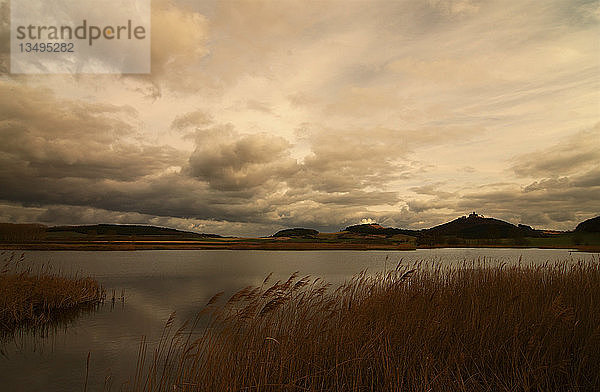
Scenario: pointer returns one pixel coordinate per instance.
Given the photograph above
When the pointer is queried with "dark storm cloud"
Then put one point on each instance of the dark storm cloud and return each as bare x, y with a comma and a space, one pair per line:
229, 161
410, 108
170, 195
46, 137
82, 162
78, 164
74, 162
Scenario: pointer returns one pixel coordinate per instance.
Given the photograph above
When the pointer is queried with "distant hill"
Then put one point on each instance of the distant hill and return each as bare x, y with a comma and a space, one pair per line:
590, 226
375, 229
477, 227
127, 230
468, 227
296, 232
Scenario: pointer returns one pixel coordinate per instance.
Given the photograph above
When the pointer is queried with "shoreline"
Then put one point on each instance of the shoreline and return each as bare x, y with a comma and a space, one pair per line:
277, 246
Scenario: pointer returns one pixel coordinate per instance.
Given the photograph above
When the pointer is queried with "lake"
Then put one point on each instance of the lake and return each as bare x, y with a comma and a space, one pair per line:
156, 283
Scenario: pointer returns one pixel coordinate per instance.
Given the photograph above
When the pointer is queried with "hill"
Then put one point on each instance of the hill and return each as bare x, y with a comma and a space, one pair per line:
127, 230
472, 230
296, 232
375, 229
476, 226
473, 226
589, 226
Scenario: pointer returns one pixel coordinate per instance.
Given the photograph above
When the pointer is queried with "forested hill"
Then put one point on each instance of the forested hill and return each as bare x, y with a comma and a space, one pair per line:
590, 226
472, 226
476, 226
127, 230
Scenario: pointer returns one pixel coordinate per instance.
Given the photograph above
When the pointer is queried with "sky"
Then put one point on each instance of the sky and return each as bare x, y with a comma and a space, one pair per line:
263, 115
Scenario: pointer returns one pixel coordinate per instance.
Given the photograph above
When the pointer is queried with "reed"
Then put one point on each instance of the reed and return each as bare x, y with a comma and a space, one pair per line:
36, 296
474, 327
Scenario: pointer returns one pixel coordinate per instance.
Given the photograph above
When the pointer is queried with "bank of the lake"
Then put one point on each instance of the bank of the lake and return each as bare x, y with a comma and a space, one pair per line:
265, 245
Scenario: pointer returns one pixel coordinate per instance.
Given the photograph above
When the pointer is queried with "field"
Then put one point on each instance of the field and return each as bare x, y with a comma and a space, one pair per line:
38, 297
473, 327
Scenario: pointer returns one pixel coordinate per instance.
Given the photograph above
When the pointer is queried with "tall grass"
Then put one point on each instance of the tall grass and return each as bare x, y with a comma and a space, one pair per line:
34, 297
469, 328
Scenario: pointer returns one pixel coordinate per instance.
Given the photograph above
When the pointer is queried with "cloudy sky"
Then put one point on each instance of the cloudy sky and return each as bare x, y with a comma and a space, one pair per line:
260, 115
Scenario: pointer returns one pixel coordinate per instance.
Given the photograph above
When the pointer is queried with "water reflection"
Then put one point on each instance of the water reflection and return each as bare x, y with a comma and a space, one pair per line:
39, 337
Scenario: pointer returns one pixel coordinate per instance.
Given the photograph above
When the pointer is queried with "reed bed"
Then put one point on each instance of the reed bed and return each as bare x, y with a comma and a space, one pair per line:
37, 296
474, 327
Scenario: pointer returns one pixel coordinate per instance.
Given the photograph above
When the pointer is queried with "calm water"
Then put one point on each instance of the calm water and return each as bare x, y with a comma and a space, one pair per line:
156, 283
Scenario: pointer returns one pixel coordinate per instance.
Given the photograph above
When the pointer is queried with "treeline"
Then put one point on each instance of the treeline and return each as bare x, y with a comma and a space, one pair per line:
441, 240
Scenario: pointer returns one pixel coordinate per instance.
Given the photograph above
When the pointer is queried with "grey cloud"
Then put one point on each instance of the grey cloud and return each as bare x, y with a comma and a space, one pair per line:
229, 161
68, 215
43, 136
393, 88
169, 195
558, 203
456, 7
193, 119
555, 202
241, 179
358, 198
535, 219
432, 190
426, 205
179, 42
4, 37
343, 160
230, 177
548, 183
439, 198
16, 213
562, 216
346, 160
568, 156
590, 178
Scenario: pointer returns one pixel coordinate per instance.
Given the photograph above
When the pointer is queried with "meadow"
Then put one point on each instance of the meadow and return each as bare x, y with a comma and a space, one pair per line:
468, 327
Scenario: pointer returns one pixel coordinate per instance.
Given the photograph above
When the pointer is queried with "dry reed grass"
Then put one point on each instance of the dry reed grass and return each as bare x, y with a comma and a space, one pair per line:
470, 328
34, 298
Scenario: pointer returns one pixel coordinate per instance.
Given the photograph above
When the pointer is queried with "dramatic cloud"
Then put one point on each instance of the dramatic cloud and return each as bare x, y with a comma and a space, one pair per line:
229, 161
4, 37
42, 136
179, 40
260, 115
579, 152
